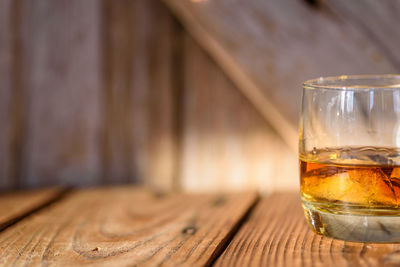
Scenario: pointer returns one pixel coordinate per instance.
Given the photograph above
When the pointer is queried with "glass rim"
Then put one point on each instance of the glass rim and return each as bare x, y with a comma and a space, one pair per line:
392, 81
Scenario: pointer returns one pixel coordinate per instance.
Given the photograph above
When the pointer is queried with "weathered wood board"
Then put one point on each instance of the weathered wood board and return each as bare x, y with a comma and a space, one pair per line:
379, 21
61, 92
276, 234
268, 48
126, 226
139, 98
227, 144
6, 39
87, 99
102, 91
16, 205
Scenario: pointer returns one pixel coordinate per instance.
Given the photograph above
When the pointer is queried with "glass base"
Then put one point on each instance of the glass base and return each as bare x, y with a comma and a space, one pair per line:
353, 227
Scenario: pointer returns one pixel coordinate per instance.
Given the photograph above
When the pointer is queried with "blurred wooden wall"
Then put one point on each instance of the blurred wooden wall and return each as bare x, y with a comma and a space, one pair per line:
87, 93
205, 97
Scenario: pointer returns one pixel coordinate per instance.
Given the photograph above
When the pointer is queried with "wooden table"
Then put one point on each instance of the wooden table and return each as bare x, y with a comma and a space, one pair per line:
128, 226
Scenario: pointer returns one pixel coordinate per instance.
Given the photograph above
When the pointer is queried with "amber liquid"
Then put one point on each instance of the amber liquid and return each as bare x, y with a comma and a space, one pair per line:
351, 180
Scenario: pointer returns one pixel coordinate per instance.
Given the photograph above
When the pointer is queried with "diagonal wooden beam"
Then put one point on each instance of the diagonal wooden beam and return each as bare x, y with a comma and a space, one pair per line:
268, 48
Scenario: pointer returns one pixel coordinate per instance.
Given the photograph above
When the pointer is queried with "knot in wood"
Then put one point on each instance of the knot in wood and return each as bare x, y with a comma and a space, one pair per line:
189, 230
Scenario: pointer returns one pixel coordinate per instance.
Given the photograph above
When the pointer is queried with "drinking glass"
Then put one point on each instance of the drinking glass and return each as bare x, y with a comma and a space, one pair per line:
349, 153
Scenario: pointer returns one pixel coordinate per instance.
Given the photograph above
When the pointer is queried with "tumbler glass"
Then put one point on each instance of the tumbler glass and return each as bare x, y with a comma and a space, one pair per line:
349, 153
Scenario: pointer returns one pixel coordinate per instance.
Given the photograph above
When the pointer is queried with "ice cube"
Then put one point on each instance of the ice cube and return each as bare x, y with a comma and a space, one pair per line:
361, 186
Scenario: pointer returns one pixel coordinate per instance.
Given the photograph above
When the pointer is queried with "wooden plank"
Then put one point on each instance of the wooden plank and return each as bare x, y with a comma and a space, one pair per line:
276, 234
119, 24
125, 227
5, 93
227, 145
268, 48
165, 75
383, 31
60, 76
139, 92
16, 205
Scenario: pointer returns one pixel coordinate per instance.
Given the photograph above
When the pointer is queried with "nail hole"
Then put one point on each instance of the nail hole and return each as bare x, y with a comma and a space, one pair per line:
189, 230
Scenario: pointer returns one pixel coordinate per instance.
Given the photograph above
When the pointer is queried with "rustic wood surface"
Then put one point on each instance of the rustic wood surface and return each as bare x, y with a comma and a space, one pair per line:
5, 94
384, 29
268, 48
61, 118
227, 144
128, 226
164, 75
88, 99
101, 91
276, 234
140, 93
125, 227
16, 205
119, 29
111, 98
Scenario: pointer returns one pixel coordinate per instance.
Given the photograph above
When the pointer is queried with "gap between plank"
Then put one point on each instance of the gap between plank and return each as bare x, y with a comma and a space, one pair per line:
13, 221
235, 229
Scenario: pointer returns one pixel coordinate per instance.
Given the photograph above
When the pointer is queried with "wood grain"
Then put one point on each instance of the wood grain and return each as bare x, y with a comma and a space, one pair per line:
125, 227
139, 59
117, 61
60, 75
227, 145
268, 48
383, 31
276, 234
165, 76
15, 205
5, 94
